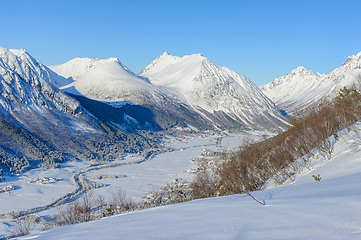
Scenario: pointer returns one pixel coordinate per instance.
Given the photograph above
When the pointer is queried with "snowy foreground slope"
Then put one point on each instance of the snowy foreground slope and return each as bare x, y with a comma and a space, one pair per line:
305, 209
301, 87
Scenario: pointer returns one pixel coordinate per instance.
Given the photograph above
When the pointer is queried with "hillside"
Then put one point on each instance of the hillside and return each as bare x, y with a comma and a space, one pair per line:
304, 209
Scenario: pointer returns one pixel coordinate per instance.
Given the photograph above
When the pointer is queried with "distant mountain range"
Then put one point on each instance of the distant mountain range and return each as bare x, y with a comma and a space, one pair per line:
217, 93
302, 88
190, 88
98, 110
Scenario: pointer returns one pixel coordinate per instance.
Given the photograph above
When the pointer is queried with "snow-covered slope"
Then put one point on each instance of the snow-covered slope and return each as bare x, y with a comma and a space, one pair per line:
305, 209
297, 89
213, 90
110, 81
345, 75
39, 122
36, 118
301, 88
25, 82
77, 67
25, 65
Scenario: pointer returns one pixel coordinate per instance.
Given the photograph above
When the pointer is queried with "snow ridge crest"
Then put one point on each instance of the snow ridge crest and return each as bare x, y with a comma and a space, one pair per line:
165, 56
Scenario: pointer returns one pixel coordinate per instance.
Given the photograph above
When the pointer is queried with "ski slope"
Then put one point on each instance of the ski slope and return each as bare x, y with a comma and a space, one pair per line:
304, 209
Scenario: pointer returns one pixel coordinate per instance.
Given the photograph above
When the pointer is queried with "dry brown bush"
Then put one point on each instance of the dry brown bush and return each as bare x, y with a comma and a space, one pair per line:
119, 201
279, 158
81, 210
24, 225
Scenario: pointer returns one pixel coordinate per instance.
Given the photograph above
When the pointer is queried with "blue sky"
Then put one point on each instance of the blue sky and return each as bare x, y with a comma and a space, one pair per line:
260, 39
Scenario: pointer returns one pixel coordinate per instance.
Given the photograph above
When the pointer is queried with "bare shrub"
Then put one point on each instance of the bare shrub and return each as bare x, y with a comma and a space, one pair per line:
119, 201
81, 210
48, 225
204, 185
100, 205
24, 225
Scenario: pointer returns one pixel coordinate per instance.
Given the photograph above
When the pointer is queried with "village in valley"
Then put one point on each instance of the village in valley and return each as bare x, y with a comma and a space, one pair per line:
5, 188
9, 187
46, 180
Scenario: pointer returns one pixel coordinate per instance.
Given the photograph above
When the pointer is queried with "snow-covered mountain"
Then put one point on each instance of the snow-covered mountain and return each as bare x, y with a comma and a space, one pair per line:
40, 122
218, 93
34, 113
345, 75
191, 86
302, 88
77, 67
25, 82
108, 80
297, 89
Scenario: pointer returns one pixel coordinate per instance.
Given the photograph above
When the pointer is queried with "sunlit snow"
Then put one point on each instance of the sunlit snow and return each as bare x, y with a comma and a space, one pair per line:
305, 209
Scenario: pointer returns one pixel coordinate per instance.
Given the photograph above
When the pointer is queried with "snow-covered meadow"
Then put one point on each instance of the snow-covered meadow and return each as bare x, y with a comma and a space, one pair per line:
305, 209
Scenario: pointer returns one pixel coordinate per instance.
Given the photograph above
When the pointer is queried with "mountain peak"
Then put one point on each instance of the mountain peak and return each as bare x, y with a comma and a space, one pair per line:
165, 54
77, 67
212, 90
353, 61
29, 83
159, 59
301, 87
301, 70
198, 54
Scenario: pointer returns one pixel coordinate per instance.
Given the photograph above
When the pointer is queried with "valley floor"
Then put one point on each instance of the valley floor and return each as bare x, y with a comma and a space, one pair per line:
30, 190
